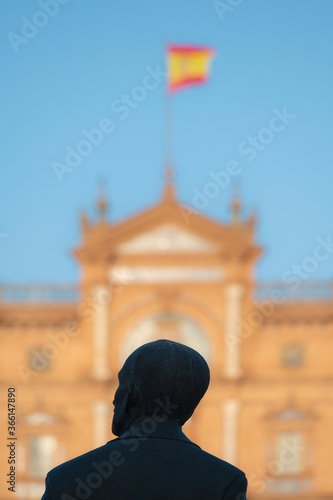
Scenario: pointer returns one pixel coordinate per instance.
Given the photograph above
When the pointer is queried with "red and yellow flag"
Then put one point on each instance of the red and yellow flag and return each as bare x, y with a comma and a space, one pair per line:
188, 65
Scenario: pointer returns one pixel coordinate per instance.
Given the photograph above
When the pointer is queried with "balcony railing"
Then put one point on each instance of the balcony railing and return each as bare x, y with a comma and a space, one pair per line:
311, 291
69, 293
36, 294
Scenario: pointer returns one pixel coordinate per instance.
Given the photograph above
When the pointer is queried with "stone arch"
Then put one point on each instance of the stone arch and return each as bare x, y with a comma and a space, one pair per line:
171, 325
181, 308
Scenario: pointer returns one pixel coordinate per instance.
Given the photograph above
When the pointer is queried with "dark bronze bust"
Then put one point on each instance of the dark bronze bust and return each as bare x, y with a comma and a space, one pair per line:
160, 385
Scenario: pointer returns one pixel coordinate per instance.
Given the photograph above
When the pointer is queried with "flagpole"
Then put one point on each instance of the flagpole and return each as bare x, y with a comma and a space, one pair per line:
168, 121
168, 146
168, 129
168, 138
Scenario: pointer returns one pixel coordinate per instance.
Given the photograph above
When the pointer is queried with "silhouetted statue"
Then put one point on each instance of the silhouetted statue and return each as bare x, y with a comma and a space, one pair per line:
160, 385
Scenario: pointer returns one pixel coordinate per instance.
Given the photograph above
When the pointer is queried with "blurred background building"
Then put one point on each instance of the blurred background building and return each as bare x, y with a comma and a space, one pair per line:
171, 272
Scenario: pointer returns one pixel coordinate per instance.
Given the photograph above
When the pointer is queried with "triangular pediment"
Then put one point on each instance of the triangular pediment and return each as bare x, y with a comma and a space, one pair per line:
166, 238
168, 228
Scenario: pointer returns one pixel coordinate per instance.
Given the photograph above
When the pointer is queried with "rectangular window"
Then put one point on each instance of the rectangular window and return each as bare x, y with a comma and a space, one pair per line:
42, 453
290, 449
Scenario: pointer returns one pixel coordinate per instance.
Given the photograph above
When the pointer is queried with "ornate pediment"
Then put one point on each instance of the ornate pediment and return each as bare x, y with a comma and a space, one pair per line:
167, 238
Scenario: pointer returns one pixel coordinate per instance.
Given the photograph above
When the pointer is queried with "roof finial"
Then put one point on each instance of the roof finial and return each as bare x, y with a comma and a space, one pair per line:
102, 204
236, 204
169, 183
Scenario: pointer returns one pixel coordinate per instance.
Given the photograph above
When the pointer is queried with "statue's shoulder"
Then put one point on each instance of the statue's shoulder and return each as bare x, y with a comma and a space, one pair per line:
216, 463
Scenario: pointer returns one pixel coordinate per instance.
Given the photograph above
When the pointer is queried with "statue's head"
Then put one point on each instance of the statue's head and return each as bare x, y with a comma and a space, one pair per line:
159, 372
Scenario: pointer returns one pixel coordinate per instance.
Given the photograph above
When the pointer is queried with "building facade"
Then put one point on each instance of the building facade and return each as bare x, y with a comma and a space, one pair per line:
170, 272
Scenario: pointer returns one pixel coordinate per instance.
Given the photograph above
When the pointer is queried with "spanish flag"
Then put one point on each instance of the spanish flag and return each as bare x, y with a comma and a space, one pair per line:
188, 65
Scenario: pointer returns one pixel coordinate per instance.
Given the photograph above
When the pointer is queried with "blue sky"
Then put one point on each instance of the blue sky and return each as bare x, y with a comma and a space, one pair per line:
65, 75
